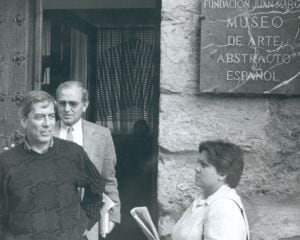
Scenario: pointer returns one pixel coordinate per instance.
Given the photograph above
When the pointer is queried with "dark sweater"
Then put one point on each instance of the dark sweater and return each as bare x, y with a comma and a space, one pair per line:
39, 197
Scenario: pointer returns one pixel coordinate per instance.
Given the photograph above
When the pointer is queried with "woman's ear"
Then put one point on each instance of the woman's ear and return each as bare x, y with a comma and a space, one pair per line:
222, 178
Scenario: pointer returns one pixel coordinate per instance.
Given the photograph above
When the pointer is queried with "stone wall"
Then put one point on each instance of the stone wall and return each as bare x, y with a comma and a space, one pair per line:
267, 128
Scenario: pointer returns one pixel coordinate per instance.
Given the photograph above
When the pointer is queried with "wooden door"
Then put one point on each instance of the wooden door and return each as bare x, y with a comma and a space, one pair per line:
20, 30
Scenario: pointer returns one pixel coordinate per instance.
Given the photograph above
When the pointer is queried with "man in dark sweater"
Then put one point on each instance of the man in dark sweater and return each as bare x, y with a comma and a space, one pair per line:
39, 181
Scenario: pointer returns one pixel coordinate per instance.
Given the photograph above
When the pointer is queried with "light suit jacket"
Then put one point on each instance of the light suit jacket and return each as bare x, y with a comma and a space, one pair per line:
98, 143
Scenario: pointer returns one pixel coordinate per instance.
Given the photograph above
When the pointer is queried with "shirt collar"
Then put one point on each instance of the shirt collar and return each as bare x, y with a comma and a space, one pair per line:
28, 148
216, 195
77, 126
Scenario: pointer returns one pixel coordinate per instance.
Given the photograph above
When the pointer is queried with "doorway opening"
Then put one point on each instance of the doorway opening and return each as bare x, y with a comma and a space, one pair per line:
115, 53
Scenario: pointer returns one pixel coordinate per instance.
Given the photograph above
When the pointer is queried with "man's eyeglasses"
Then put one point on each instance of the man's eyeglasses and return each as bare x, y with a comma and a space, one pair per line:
72, 104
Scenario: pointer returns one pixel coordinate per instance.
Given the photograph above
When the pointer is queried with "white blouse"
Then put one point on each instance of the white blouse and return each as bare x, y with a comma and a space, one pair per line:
220, 217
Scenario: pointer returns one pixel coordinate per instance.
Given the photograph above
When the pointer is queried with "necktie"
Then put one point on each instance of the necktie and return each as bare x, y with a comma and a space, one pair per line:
70, 134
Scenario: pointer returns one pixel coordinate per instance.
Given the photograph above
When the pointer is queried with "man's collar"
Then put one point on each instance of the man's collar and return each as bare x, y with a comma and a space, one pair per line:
28, 148
76, 126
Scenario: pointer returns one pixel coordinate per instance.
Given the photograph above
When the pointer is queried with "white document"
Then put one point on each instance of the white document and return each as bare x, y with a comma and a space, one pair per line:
104, 215
143, 219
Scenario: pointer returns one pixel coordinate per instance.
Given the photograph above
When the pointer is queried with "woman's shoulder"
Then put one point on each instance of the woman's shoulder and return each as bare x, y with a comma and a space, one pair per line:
225, 208
224, 203
228, 200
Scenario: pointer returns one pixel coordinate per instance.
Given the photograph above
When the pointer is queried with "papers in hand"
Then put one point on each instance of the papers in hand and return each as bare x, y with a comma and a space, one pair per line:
104, 213
143, 219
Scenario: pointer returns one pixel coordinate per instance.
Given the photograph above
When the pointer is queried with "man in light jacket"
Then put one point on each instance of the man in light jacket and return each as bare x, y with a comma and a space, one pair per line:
72, 100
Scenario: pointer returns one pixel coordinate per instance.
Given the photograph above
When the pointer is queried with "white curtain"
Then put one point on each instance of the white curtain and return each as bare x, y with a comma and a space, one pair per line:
125, 77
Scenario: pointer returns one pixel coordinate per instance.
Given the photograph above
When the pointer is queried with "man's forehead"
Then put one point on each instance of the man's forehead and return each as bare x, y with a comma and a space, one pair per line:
72, 93
70, 89
42, 106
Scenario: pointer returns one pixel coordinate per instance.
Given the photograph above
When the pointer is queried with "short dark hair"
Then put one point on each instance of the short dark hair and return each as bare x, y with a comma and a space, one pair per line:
227, 158
34, 97
69, 84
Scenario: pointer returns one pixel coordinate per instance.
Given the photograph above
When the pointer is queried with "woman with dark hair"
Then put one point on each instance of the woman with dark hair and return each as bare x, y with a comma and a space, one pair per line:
220, 215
